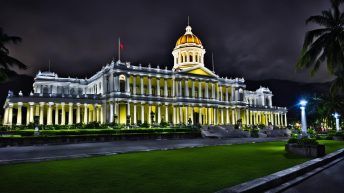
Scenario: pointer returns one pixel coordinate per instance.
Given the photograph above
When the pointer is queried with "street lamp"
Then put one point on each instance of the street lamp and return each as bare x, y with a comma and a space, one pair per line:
303, 104
336, 116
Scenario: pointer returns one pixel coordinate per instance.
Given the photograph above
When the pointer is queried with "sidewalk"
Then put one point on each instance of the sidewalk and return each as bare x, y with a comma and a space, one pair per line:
10, 155
330, 180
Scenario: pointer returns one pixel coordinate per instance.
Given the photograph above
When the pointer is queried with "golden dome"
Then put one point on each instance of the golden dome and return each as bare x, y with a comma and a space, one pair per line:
188, 38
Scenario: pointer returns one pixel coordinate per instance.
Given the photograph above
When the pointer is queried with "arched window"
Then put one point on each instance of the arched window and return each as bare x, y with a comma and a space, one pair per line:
190, 58
45, 90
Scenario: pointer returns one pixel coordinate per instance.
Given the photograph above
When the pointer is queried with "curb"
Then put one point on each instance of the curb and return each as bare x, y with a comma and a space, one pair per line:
276, 179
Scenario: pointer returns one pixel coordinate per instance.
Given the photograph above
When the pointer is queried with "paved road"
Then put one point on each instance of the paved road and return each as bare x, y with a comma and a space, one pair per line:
52, 152
330, 180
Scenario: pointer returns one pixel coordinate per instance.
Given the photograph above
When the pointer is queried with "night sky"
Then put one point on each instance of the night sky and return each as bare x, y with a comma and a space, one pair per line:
253, 39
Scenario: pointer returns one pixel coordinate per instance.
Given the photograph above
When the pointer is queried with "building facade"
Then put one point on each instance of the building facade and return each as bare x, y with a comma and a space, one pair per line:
133, 94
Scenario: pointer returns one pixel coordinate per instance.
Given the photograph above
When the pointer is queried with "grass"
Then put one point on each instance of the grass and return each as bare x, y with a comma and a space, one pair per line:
205, 169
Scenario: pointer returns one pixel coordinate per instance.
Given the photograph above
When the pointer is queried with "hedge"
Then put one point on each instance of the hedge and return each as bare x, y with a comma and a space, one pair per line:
97, 131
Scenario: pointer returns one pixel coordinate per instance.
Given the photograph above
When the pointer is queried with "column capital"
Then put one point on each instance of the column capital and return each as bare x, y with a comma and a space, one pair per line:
50, 103
41, 103
31, 103
78, 104
62, 104
70, 104
20, 104
10, 105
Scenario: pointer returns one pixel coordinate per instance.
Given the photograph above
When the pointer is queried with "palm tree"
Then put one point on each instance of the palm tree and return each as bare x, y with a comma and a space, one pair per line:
6, 61
325, 45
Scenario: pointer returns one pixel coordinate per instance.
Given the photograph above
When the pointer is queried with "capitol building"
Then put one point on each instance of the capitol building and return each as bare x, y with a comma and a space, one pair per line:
124, 93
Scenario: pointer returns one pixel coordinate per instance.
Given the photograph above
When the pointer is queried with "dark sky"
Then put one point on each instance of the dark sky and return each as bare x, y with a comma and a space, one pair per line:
252, 39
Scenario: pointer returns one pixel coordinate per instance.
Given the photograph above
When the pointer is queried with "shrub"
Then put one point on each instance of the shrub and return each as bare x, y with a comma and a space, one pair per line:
304, 141
163, 124
293, 140
339, 134
254, 132
145, 125
311, 133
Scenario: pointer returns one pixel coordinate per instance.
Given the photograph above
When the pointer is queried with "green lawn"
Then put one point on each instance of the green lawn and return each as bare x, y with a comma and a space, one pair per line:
198, 170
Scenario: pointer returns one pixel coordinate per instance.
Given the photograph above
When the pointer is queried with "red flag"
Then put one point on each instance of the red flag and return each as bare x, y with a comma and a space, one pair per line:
121, 46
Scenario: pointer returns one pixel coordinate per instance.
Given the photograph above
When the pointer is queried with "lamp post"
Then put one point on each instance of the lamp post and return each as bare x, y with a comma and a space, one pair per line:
303, 104
336, 116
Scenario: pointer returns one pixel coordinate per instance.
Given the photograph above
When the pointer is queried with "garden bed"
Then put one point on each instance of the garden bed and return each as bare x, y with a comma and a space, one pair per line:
316, 150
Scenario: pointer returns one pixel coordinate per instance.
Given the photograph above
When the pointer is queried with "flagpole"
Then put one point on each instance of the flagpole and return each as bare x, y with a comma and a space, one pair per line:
119, 49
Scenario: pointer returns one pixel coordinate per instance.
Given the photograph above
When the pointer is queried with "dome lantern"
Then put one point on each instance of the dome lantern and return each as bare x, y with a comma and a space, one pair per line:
188, 51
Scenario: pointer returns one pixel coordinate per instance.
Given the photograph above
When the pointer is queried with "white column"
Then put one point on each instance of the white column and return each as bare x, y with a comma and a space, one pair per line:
5, 121
186, 114
141, 85
159, 115
142, 112
215, 116
180, 88
233, 117
285, 120
181, 114
134, 86
128, 112
32, 111
200, 115
41, 113
127, 84
19, 113
199, 89
111, 111
10, 113
227, 116
149, 86
213, 91
70, 114
56, 114
149, 114
166, 113
222, 117
27, 115
134, 114
165, 88
193, 89
158, 87
85, 113
226, 93
247, 118
232, 93
173, 88
209, 116
95, 113
221, 94
50, 113
101, 113
206, 91
63, 114
174, 115
78, 114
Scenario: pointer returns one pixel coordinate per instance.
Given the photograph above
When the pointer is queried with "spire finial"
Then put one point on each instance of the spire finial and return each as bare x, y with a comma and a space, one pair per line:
188, 21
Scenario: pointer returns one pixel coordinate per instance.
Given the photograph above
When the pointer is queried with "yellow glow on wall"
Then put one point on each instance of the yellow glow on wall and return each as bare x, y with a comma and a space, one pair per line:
122, 114
199, 72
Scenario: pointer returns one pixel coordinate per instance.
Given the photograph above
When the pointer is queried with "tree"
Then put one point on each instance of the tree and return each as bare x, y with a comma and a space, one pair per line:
326, 45
321, 109
6, 61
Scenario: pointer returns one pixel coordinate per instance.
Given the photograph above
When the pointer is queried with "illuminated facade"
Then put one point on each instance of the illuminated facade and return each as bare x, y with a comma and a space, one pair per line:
125, 93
